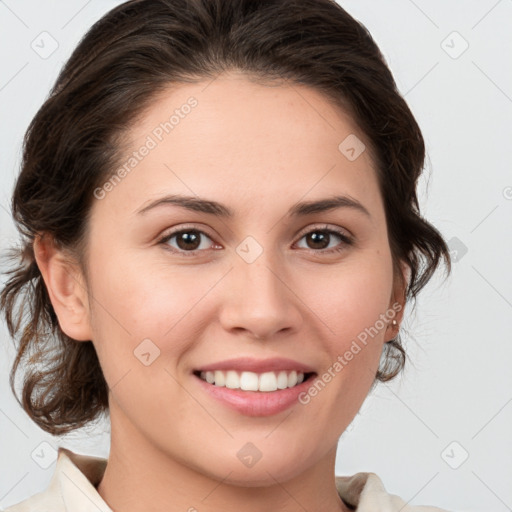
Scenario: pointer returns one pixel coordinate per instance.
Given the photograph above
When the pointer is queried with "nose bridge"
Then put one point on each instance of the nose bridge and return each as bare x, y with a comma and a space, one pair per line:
261, 302
257, 269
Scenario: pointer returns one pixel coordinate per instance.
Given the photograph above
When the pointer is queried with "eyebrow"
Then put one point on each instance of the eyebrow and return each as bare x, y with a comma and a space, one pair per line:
197, 204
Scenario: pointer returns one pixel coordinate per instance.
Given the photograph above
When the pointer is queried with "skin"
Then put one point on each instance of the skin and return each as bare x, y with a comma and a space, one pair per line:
259, 150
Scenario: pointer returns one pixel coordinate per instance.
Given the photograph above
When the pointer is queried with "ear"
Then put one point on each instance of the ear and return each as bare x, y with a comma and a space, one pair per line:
397, 301
66, 288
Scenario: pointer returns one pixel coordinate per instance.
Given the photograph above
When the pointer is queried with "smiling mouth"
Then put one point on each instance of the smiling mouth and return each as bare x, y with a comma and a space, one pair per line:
252, 381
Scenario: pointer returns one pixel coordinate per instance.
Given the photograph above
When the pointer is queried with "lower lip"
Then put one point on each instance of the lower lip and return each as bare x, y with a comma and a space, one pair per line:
256, 403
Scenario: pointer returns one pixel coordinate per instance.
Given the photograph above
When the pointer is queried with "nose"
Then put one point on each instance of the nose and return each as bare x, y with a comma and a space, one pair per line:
260, 299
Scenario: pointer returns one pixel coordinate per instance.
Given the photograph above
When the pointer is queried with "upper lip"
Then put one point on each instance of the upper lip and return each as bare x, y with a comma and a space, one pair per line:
250, 364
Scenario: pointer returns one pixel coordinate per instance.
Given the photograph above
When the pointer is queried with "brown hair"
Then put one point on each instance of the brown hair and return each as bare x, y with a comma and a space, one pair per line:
136, 50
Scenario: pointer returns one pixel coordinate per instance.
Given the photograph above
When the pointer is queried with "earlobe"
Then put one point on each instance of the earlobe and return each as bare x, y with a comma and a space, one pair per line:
66, 288
397, 302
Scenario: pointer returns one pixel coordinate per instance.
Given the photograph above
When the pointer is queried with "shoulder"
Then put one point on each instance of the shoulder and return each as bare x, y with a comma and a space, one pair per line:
366, 492
72, 486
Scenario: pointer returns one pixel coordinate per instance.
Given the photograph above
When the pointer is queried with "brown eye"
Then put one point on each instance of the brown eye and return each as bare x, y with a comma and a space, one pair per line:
319, 240
187, 240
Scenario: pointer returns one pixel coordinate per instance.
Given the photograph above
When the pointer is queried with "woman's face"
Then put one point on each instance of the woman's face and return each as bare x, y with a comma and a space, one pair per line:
266, 282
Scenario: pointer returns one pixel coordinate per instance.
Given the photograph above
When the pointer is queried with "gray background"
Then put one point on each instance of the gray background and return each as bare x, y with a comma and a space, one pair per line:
440, 434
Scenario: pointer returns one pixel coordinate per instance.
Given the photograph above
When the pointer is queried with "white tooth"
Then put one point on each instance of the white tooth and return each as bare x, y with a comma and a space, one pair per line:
232, 380
292, 379
249, 381
203, 375
220, 379
282, 380
268, 382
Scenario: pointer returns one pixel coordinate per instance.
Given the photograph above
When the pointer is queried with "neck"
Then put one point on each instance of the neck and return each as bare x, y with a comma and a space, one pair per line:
140, 477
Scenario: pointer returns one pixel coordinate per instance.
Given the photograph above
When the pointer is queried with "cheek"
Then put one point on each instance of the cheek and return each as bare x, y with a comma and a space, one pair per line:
350, 298
135, 301
351, 301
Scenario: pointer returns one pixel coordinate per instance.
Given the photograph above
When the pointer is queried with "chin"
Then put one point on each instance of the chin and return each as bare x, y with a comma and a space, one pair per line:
264, 472
265, 476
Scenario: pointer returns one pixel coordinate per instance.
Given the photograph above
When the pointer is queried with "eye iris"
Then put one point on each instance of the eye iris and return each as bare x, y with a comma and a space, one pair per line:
188, 237
319, 236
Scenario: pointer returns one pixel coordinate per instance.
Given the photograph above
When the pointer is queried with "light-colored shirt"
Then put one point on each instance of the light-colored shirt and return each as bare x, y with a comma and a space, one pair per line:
76, 476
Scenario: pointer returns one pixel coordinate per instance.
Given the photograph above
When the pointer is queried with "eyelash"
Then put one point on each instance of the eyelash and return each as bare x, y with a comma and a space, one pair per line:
346, 240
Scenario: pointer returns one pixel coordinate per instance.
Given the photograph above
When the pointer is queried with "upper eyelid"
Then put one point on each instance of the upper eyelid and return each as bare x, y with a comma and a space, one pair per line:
176, 231
324, 227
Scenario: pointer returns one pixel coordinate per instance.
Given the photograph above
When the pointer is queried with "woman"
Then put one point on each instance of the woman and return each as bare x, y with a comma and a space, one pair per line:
221, 229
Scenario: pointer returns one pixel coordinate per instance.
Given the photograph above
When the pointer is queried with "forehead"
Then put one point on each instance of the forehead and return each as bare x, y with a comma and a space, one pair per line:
245, 144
